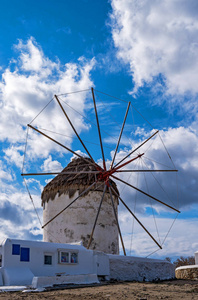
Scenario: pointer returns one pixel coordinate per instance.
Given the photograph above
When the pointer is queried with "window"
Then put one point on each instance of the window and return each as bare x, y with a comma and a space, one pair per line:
68, 257
74, 258
15, 249
47, 259
25, 254
64, 257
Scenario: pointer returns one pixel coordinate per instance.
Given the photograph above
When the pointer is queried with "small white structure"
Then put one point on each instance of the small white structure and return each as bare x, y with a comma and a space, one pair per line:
188, 272
196, 258
130, 268
76, 223
41, 264
23, 262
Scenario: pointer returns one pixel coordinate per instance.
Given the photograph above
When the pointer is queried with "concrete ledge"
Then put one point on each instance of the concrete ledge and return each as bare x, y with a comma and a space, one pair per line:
187, 272
45, 281
12, 288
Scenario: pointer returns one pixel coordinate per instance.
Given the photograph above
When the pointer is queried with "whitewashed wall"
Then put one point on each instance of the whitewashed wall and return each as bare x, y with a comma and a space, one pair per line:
75, 224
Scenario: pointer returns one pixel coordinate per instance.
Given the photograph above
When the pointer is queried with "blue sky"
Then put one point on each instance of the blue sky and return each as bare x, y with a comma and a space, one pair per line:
144, 52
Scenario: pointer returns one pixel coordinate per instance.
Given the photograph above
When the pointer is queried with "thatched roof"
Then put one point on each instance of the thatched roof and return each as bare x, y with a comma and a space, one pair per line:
69, 183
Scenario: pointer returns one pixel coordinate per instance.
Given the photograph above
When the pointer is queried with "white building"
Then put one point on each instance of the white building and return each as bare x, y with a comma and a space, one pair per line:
30, 263
22, 261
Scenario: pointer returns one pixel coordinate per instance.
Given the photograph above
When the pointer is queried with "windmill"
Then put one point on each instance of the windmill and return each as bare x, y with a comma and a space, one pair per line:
103, 175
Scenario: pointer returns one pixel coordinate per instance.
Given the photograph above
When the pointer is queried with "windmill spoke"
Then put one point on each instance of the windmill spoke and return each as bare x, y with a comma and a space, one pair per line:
116, 218
61, 173
145, 193
90, 240
137, 148
120, 136
75, 153
73, 128
85, 191
137, 219
101, 146
122, 171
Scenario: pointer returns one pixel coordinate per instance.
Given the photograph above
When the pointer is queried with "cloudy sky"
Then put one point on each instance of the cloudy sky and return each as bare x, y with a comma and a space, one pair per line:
145, 52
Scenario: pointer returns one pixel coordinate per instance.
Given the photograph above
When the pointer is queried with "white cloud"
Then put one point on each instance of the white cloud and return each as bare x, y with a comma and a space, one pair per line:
50, 165
158, 38
79, 152
17, 215
12, 155
28, 86
33, 59
177, 243
5, 174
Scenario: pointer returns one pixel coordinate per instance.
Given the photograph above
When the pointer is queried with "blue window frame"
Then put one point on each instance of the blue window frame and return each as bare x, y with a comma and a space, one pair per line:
15, 249
25, 254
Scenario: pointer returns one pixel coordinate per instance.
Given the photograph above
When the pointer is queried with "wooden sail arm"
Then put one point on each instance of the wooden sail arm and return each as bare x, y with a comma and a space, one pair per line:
116, 218
120, 135
137, 148
100, 138
60, 173
93, 229
145, 193
66, 115
68, 149
85, 191
137, 219
120, 171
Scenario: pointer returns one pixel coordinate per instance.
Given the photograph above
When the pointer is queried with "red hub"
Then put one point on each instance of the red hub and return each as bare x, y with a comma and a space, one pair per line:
104, 175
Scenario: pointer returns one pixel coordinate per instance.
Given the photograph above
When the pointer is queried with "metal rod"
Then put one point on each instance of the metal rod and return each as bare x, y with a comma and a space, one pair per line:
137, 148
137, 219
117, 221
146, 171
73, 127
75, 153
145, 193
120, 135
61, 173
108, 173
90, 240
124, 164
95, 108
85, 191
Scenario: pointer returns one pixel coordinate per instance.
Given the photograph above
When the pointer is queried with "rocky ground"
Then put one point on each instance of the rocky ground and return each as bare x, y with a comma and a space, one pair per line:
175, 289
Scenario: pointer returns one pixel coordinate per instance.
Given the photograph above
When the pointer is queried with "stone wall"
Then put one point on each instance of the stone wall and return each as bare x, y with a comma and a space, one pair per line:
187, 272
128, 268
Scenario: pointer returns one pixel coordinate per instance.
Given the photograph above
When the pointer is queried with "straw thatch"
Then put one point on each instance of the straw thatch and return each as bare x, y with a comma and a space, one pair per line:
70, 183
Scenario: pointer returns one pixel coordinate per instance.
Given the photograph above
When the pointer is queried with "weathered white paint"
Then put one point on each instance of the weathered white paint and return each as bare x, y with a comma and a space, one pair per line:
196, 258
128, 268
46, 281
76, 223
102, 262
13, 288
187, 267
16, 272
